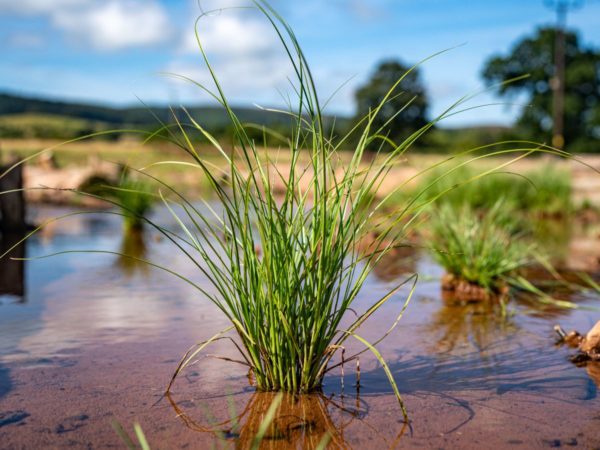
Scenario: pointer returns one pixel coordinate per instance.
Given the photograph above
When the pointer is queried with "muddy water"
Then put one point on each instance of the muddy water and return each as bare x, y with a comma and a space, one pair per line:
90, 339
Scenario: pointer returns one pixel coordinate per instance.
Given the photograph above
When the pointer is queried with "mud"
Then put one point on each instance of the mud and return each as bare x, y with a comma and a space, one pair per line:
457, 289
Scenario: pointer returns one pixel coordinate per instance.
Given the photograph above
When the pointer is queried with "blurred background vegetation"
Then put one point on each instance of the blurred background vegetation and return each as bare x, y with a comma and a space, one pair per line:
551, 73
531, 56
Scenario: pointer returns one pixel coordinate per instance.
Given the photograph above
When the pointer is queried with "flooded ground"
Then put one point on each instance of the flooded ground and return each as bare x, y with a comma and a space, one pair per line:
89, 339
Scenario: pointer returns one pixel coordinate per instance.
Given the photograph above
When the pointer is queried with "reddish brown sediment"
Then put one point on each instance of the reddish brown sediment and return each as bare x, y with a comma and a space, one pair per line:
459, 289
73, 406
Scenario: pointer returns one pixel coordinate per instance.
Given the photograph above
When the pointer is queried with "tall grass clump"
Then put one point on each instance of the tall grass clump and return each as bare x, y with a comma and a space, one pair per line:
480, 252
284, 266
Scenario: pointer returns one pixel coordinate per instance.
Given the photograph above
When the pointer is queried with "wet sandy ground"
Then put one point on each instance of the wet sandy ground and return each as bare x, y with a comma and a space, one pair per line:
95, 340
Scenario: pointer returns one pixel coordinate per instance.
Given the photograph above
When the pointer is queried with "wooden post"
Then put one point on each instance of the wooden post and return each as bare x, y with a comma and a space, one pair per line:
12, 229
12, 205
12, 271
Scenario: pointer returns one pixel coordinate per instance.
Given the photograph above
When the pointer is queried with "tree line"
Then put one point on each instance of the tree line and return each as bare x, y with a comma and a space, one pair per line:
525, 74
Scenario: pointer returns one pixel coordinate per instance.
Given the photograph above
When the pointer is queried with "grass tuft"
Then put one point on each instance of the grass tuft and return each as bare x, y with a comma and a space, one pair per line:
480, 249
283, 262
135, 198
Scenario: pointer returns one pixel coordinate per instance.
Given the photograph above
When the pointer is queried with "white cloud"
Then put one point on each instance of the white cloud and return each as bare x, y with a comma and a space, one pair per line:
250, 61
244, 51
104, 25
231, 35
116, 24
39, 7
244, 80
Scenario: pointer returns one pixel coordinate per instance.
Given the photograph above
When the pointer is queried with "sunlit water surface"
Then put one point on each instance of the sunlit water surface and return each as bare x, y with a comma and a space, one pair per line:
92, 338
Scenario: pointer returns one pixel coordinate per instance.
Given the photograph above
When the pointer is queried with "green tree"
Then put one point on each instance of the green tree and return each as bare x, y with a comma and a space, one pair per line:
534, 55
409, 98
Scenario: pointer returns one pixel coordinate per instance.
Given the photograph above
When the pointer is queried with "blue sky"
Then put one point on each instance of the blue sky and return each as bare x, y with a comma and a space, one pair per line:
112, 51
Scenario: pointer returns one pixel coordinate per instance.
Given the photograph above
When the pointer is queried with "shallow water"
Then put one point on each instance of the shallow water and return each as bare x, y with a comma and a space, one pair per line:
92, 338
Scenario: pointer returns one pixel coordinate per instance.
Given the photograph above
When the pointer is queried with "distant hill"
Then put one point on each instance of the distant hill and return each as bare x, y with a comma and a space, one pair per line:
211, 117
26, 117
49, 126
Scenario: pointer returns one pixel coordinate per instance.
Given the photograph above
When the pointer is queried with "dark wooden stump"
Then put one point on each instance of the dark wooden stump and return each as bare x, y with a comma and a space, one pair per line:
12, 229
12, 272
12, 205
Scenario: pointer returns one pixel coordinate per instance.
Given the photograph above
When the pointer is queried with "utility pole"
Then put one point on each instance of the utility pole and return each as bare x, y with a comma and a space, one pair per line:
557, 83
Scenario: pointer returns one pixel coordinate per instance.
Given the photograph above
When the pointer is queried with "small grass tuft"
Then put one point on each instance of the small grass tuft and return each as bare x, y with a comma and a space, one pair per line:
477, 250
135, 198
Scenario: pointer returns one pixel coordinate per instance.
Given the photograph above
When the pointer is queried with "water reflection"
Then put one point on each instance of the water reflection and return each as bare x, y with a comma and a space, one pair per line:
399, 261
133, 251
445, 357
12, 272
593, 370
301, 421
570, 245
455, 326
473, 346
5, 381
